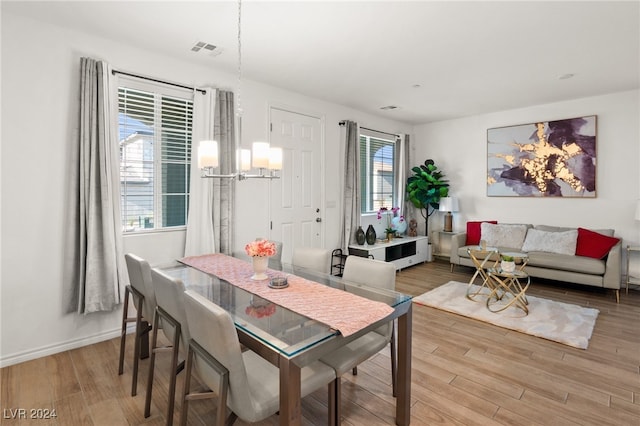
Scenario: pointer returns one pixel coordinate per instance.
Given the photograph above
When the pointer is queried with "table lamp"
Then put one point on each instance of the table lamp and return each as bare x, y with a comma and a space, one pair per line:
448, 204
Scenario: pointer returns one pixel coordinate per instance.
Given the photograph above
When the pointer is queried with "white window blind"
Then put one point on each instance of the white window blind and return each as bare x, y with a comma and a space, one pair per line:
155, 128
377, 174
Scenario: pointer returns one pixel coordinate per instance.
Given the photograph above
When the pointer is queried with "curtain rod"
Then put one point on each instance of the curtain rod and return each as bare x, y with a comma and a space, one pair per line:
342, 123
155, 80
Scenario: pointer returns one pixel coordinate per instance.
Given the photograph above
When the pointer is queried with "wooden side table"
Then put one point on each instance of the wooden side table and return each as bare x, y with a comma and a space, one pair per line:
629, 278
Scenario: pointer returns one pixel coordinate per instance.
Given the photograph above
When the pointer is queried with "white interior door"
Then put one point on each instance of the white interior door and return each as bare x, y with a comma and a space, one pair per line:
296, 210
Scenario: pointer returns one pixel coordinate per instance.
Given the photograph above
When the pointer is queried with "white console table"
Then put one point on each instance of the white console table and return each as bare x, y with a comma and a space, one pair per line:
402, 252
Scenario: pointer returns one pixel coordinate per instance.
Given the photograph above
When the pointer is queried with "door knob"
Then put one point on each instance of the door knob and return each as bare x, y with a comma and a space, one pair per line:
318, 219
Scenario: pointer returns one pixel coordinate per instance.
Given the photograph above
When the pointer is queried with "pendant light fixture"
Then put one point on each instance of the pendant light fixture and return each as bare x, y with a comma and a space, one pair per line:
266, 159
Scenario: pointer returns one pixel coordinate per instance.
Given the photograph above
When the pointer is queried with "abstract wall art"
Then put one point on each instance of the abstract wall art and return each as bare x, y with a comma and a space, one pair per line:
543, 159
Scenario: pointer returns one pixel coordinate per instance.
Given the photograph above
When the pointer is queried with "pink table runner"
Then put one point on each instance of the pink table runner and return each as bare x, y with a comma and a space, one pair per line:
340, 310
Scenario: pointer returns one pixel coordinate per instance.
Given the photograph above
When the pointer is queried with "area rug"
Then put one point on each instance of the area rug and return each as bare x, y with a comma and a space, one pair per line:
565, 323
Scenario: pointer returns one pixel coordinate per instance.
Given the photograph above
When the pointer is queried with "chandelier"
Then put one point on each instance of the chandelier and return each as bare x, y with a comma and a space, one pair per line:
266, 159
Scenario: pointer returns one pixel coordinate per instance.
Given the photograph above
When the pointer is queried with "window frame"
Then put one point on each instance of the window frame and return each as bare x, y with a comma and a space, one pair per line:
159, 91
366, 175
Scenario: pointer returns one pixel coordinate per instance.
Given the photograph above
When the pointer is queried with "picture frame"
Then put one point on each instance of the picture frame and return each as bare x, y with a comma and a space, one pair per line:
555, 158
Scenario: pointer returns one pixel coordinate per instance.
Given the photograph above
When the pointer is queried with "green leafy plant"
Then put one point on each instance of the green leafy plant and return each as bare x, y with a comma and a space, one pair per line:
425, 188
508, 258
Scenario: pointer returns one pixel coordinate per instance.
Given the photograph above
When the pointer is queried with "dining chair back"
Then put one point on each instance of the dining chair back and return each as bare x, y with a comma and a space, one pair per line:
275, 262
371, 273
244, 381
141, 291
140, 278
170, 310
316, 259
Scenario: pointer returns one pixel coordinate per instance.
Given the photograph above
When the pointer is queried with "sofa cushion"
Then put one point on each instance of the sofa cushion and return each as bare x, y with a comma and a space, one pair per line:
548, 228
504, 235
552, 242
554, 261
594, 244
565, 262
608, 232
473, 231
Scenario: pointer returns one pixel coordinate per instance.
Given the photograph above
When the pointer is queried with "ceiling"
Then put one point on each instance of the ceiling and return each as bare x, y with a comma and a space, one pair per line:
434, 60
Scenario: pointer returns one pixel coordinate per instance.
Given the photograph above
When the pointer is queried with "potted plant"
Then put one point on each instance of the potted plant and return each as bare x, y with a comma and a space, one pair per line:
390, 230
425, 188
507, 264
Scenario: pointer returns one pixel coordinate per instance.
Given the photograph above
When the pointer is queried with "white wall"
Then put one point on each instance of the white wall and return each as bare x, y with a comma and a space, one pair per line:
40, 81
459, 148
40, 85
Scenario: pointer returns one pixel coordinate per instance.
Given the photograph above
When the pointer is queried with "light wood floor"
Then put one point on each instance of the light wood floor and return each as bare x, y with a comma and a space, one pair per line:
465, 372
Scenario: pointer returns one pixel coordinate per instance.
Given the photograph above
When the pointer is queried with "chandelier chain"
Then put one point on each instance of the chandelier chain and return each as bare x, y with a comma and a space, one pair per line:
239, 103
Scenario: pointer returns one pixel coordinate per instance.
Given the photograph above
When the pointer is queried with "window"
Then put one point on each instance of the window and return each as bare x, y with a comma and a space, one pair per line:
154, 128
377, 174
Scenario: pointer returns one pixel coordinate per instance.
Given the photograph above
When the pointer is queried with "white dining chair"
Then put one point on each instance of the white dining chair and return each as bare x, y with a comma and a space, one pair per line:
275, 262
141, 291
316, 259
242, 380
372, 273
170, 311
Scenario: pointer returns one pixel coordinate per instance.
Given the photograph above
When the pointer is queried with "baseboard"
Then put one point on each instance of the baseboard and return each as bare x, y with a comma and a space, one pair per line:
60, 347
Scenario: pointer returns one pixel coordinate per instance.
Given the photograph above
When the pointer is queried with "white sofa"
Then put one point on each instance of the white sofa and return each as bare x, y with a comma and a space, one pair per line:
553, 261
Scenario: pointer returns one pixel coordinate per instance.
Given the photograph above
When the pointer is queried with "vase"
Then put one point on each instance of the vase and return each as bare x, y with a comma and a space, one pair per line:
399, 224
360, 236
370, 236
390, 236
508, 266
260, 268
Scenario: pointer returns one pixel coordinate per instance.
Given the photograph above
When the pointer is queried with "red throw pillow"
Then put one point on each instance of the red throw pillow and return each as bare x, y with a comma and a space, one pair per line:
473, 231
594, 244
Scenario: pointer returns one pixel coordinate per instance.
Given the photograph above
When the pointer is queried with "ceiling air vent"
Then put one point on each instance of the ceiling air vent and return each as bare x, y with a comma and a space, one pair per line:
212, 49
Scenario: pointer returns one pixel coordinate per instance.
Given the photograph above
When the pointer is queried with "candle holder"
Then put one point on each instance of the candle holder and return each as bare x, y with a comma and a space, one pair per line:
279, 282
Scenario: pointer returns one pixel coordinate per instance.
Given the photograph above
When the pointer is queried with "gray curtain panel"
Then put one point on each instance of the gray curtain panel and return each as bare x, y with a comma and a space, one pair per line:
224, 189
211, 200
94, 263
351, 205
404, 171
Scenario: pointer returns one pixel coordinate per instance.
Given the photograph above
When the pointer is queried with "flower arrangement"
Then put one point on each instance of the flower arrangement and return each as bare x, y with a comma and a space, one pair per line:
260, 311
260, 248
390, 229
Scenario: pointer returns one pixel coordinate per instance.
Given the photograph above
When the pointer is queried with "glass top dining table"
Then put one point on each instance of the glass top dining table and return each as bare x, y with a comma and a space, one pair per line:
290, 340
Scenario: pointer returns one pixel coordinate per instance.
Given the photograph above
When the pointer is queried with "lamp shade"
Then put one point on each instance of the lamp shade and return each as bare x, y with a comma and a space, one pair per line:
244, 160
208, 154
260, 155
275, 158
637, 217
448, 204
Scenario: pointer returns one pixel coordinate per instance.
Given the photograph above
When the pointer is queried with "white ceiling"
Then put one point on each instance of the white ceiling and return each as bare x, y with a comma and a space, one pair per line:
467, 57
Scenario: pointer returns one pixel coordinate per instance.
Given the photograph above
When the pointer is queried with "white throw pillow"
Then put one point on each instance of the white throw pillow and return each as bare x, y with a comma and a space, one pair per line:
552, 242
501, 235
